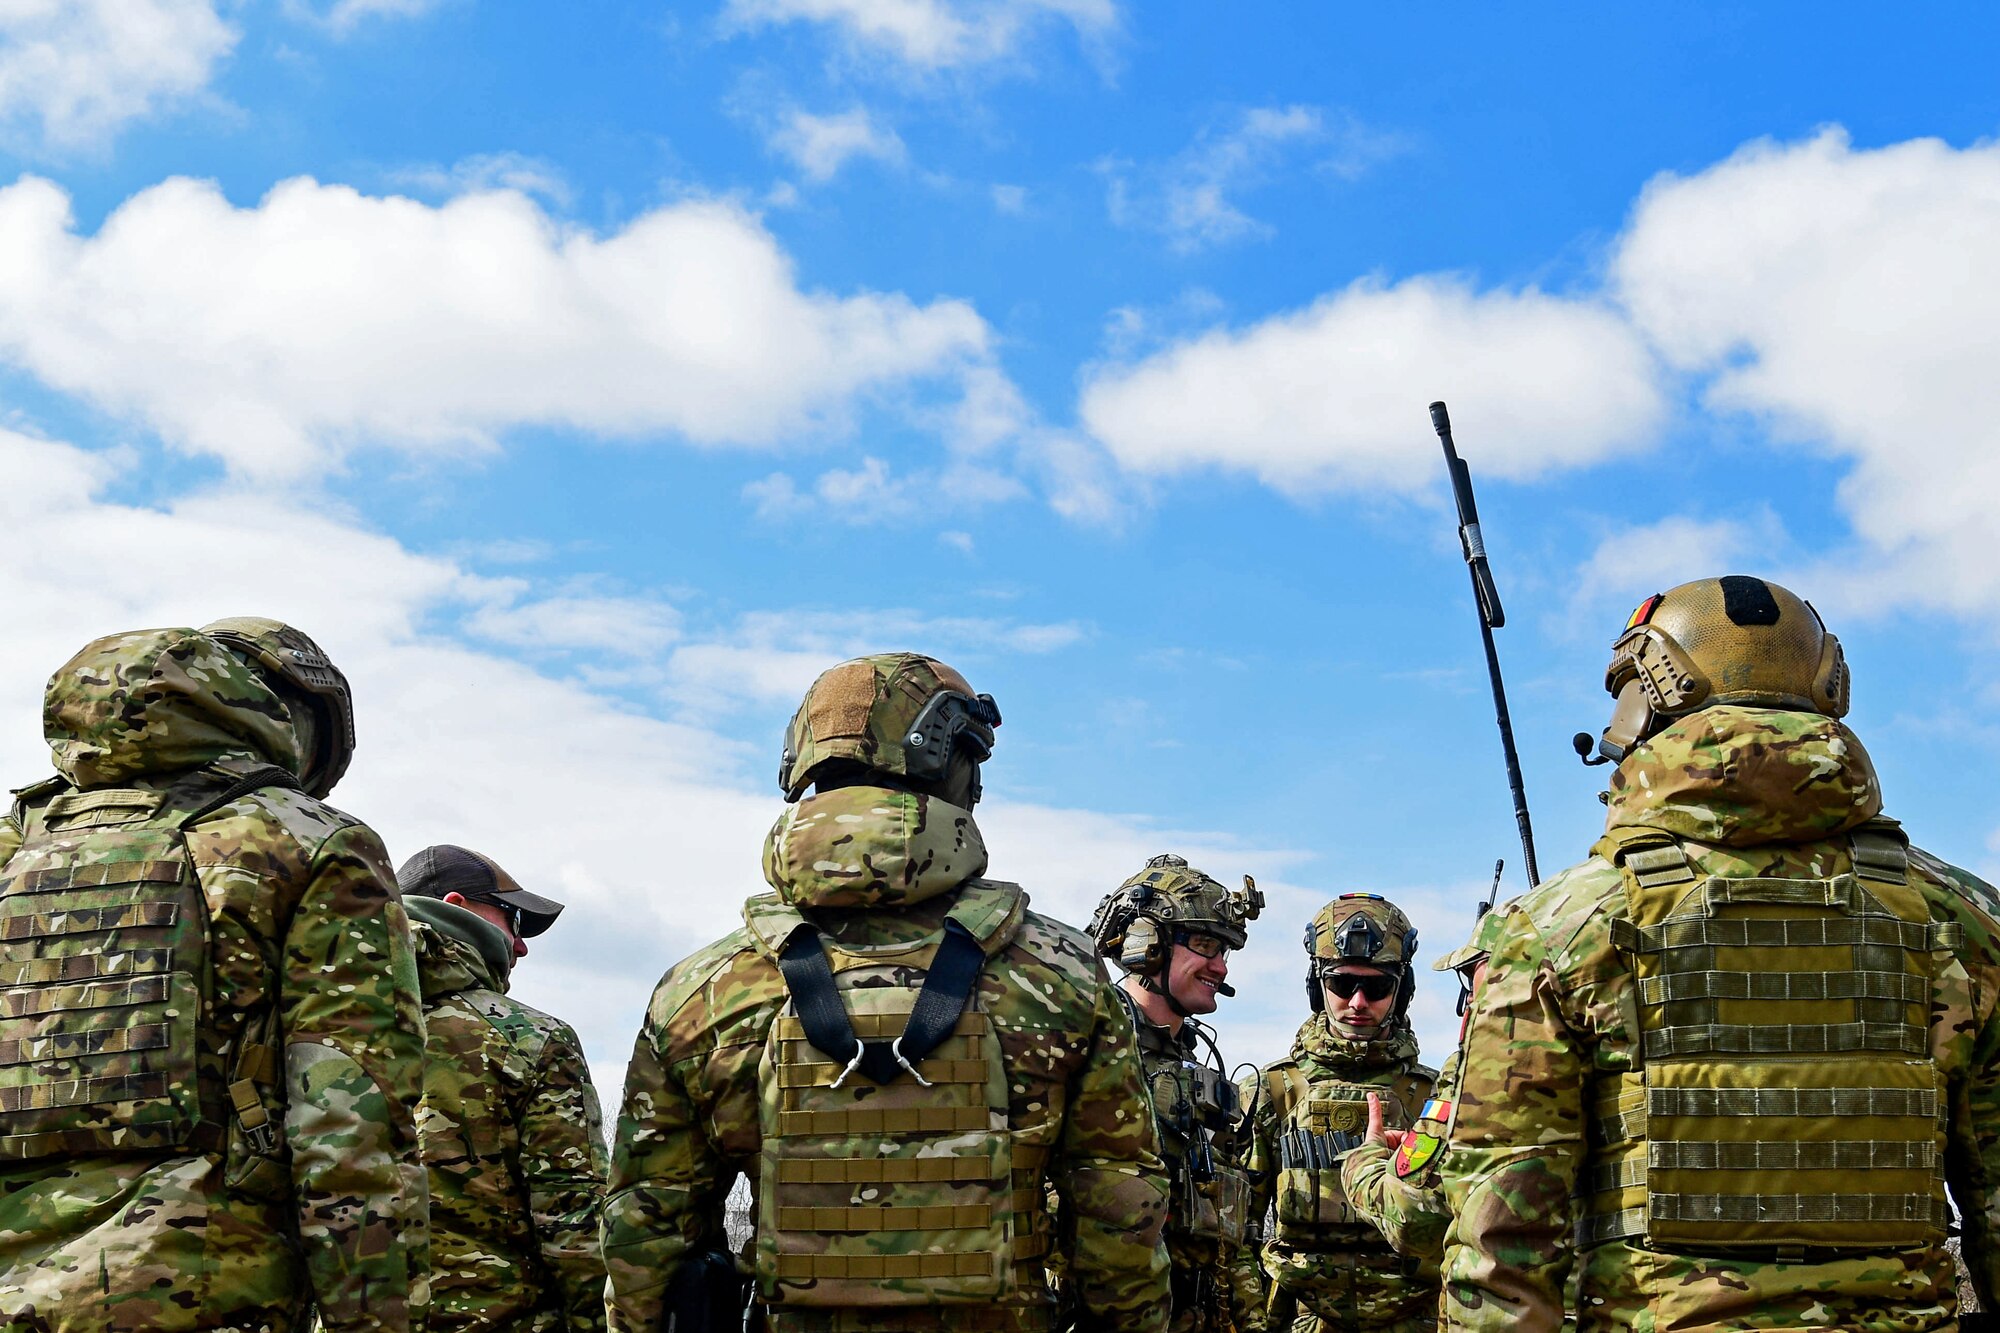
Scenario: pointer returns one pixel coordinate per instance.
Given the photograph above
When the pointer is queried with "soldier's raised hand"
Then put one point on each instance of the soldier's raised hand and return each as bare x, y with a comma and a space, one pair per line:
1391, 1138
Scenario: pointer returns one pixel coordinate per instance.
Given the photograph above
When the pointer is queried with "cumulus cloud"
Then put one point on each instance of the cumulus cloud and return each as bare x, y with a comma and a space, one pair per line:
874, 493
1331, 397
1192, 199
277, 337
1844, 298
649, 829
75, 72
822, 145
930, 35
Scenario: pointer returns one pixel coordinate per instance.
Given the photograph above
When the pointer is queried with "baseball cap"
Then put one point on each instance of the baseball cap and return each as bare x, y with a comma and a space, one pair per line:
436, 871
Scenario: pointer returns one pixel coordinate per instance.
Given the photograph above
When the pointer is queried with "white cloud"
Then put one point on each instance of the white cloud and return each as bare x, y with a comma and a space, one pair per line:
872, 493
1192, 198
1845, 297
457, 743
343, 16
1332, 396
279, 337
932, 34
463, 745
1010, 199
770, 657
75, 72
822, 145
490, 171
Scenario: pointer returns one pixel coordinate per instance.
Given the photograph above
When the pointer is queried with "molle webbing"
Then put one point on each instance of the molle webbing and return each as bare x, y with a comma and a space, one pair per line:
1736, 1131
886, 1189
103, 974
1317, 1126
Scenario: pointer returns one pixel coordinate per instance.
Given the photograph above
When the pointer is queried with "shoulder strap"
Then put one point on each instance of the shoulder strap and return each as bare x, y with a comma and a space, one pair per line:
256, 779
947, 986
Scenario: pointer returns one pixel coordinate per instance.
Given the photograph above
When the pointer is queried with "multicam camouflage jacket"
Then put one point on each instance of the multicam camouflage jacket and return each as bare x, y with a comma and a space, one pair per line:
879, 869
1401, 1193
1215, 1288
1778, 801
1306, 1113
513, 1141
301, 1185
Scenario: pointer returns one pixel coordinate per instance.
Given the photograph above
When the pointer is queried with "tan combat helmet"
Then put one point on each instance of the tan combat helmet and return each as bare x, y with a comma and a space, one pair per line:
297, 668
1360, 928
898, 713
1732, 640
1168, 903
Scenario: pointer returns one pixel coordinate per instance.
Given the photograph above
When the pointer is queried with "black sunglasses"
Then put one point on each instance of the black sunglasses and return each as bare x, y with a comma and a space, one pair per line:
1376, 986
514, 915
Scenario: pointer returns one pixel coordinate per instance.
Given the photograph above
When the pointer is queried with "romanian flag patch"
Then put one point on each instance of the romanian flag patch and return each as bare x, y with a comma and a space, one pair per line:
1645, 612
1416, 1154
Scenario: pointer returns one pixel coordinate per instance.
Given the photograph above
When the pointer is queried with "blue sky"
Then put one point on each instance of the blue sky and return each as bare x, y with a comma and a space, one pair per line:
588, 377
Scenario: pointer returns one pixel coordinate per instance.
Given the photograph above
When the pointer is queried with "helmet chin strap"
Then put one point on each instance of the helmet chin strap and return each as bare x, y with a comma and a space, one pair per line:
1173, 1001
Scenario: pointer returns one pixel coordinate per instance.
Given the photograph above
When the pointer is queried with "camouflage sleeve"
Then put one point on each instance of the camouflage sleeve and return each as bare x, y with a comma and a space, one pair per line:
1410, 1214
1107, 1167
1245, 1282
1516, 1145
353, 1030
562, 1169
668, 1184
1972, 1153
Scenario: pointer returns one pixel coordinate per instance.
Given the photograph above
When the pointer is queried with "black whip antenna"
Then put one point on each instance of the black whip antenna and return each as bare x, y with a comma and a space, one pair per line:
1491, 617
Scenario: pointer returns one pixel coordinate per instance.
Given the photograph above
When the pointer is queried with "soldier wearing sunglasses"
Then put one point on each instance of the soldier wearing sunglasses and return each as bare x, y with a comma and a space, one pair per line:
510, 1125
1326, 1263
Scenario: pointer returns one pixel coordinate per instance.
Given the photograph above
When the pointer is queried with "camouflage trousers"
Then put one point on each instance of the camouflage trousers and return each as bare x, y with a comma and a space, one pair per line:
1353, 1291
1312, 1323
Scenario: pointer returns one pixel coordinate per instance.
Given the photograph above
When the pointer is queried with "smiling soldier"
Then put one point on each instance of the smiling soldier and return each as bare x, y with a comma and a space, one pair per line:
1310, 1109
1172, 929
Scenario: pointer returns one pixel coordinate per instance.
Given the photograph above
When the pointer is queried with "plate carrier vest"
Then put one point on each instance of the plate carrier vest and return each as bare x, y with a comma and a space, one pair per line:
1318, 1126
887, 1177
105, 978
1786, 1096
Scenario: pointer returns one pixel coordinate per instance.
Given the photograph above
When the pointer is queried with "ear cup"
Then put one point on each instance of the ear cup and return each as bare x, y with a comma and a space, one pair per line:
1142, 951
1407, 989
1315, 996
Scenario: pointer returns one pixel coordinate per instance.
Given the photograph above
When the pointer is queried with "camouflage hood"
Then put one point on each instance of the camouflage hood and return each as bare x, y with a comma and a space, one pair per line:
161, 701
1743, 777
456, 949
1319, 1045
871, 847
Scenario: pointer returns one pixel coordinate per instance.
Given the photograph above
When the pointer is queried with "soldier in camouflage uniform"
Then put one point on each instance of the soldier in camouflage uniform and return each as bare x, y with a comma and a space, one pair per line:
1727, 1068
510, 1125
1392, 1178
896, 1053
211, 1046
1171, 929
1308, 1111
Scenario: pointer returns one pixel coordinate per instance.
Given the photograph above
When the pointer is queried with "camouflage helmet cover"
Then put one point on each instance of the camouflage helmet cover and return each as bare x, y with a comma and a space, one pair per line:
899, 713
1171, 897
1361, 928
292, 660
1732, 640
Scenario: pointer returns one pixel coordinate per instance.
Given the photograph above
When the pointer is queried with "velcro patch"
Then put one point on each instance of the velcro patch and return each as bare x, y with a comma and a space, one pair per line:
1416, 1153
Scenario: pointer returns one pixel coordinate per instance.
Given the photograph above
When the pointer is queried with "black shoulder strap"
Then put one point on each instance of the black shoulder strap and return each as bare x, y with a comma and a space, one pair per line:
269, 775
947, 987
